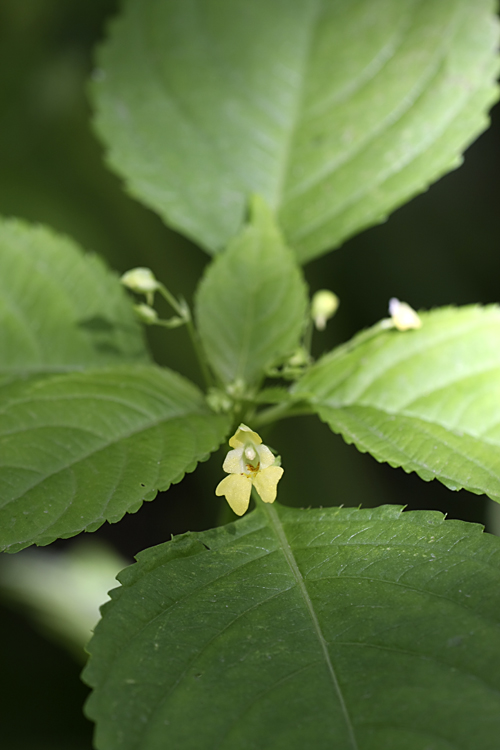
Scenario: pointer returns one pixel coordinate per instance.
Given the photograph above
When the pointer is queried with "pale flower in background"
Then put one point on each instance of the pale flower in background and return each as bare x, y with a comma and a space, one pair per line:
140, 280
324, 305
403, 316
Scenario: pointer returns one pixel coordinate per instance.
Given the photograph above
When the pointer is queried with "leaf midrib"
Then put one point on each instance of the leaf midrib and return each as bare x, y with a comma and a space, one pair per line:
276, 525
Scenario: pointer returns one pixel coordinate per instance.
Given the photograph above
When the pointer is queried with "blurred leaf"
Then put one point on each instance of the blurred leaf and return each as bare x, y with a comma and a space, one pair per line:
427, 400
333, 628
62, 590
493, 518
336, 113
59, 308
82, 448
251, 303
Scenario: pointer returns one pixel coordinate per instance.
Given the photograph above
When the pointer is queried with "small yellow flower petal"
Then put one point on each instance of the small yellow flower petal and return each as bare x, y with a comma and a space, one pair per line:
403, 316
243, 435
236, 488
232, 462
266, 483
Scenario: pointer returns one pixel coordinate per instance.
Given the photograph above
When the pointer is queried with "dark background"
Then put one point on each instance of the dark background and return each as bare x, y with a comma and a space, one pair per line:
442, 248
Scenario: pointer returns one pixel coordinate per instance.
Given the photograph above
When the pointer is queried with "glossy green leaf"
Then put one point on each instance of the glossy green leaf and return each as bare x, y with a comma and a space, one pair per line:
79, 449
427, 400
251, 303
326, 628
335, 112
60, 309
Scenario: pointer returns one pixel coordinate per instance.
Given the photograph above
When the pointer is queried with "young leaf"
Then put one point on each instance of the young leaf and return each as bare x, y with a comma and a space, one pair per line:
336, 113
251, 303
336, 628
59, 308
427, 400
79, 449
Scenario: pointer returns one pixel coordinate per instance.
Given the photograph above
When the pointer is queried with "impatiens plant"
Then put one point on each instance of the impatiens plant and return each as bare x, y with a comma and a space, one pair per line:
268, 133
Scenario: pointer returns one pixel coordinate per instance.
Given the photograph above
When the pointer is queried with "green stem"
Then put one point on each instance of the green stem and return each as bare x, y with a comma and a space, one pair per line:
281, 411
308, 336
170, 324
174, 304
200, 354
182, 309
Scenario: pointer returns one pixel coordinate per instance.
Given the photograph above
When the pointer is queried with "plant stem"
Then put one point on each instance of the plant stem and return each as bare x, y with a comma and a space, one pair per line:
200, 354
307, 343
182, 309
174, 304
281, 411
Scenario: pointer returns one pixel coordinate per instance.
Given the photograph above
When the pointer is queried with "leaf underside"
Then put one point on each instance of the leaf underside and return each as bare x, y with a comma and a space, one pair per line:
353, 629
427, 400
336, 113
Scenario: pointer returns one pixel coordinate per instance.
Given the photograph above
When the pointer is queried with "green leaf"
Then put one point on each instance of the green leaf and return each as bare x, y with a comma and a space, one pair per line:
336, 113
79, 449
251, 303
326, 628
427, 400
59, 308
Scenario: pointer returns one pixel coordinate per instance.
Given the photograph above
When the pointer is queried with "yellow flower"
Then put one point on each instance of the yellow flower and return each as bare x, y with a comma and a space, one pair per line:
250, 463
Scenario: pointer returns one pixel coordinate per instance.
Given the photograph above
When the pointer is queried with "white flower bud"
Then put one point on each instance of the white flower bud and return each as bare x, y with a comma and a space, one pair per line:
140, 280
323, 306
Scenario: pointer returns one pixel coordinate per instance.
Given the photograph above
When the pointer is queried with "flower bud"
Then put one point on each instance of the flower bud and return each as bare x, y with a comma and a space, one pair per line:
300, 358
323, 306
140, 280
219, 401
403, 316
146, 314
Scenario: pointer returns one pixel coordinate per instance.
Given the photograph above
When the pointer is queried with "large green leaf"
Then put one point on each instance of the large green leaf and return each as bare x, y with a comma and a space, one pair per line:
251, 303
336, 112
79, 449
336, 628
59, 309
427, 400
